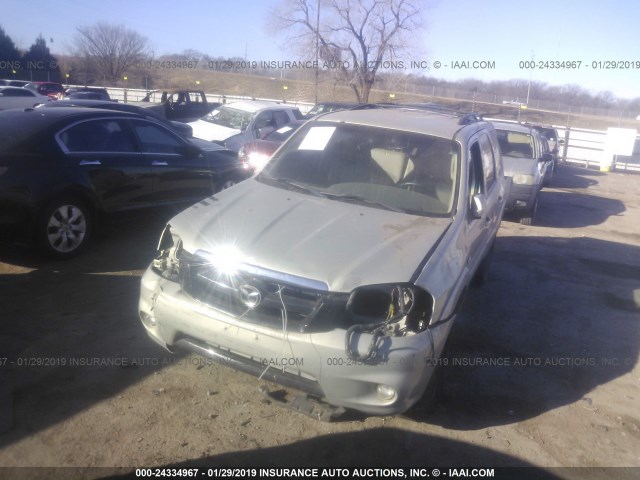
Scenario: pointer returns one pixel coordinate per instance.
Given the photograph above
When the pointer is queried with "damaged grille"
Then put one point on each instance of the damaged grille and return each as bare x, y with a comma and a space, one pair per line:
251, 294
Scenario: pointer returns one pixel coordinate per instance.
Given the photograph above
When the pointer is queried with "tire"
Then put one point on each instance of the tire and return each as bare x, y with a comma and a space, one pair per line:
527, 220
529, 217
433, 393
64, 228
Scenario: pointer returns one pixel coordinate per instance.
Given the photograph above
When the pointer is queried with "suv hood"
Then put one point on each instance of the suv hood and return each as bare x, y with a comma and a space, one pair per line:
212, 132
342, 245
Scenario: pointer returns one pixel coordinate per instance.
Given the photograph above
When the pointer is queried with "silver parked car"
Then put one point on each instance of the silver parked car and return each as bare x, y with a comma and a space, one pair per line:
18, 97
234, 124
339, 269
526, 162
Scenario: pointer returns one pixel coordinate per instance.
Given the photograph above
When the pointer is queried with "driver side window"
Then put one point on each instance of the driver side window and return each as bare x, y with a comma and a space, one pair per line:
265, 119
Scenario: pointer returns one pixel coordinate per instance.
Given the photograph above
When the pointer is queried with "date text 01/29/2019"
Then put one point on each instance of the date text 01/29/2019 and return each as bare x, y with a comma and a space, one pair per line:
579, 64
314, 472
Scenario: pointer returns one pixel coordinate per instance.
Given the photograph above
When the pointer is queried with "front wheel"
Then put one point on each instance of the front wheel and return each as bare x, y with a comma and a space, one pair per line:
65, 227
434, 392
529, 217
482, 274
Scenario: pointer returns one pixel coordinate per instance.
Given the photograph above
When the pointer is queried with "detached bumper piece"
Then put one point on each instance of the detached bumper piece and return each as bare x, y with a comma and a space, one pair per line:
304, 404
249, 366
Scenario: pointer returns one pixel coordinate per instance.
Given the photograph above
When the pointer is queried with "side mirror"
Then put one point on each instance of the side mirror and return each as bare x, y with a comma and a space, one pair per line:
546, 157
190, 151
561, 141
478, 205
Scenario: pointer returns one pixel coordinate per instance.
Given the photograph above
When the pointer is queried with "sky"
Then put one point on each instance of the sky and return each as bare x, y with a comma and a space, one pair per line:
495, 34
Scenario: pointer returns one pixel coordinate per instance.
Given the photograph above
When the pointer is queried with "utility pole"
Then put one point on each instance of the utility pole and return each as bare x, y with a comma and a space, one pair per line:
317, 49
529, 86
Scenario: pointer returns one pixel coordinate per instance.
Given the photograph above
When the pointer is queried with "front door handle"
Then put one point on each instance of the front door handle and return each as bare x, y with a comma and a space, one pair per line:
90, 162
159, 163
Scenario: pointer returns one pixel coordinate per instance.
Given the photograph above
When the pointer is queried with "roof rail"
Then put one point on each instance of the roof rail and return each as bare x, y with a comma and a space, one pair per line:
465, 117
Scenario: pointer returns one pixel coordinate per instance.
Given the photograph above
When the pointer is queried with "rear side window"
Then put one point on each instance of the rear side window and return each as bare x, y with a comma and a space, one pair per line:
544, 145
16, 93
51, 88
97, 136
550, 133
476, 182
281, 118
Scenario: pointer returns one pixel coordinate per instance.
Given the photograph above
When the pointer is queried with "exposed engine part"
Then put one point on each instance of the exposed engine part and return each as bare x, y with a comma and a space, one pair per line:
402, 301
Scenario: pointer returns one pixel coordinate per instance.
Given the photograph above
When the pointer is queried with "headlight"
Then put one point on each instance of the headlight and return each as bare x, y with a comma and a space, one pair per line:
166, 261
242, 154
524, 179
226, 259
258, 160
374, 304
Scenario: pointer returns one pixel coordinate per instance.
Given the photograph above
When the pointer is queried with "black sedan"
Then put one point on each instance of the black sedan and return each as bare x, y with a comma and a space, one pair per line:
62, 169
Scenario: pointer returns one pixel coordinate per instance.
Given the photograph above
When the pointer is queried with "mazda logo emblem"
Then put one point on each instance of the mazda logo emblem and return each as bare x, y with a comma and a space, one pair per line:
250, 296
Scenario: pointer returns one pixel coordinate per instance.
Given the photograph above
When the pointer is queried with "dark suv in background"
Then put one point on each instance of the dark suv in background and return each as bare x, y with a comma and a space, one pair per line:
87, 93
553, 137
326, 107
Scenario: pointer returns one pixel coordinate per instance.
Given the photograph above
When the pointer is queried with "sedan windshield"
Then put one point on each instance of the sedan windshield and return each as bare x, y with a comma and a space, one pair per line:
230, 117
381, 168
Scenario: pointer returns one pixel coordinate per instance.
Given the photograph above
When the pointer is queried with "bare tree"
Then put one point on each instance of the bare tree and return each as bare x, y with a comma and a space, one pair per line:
112, 49
355, 37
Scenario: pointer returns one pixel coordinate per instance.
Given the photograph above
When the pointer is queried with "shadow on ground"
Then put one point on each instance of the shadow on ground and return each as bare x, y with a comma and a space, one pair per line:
575, 210
570, 176
557, 318
135, 239
77, 310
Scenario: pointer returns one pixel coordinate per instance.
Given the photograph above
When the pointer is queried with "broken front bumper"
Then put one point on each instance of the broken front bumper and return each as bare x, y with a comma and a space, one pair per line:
313, 362
521, 197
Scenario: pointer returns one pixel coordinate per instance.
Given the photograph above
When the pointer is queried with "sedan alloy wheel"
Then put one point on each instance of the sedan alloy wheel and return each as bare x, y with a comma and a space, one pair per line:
66, 228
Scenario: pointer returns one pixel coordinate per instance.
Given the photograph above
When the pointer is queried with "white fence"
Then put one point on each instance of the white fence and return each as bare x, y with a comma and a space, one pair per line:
136, 95
586, 147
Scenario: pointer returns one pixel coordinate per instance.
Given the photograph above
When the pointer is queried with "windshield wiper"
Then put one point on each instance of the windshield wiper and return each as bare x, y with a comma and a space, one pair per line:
289, 183
359, 199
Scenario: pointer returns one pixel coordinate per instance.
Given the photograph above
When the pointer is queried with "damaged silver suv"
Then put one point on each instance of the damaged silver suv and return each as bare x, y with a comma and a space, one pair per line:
339, 269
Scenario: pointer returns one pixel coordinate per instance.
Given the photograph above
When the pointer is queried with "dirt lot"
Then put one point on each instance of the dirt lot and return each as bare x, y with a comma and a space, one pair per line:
559, 319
